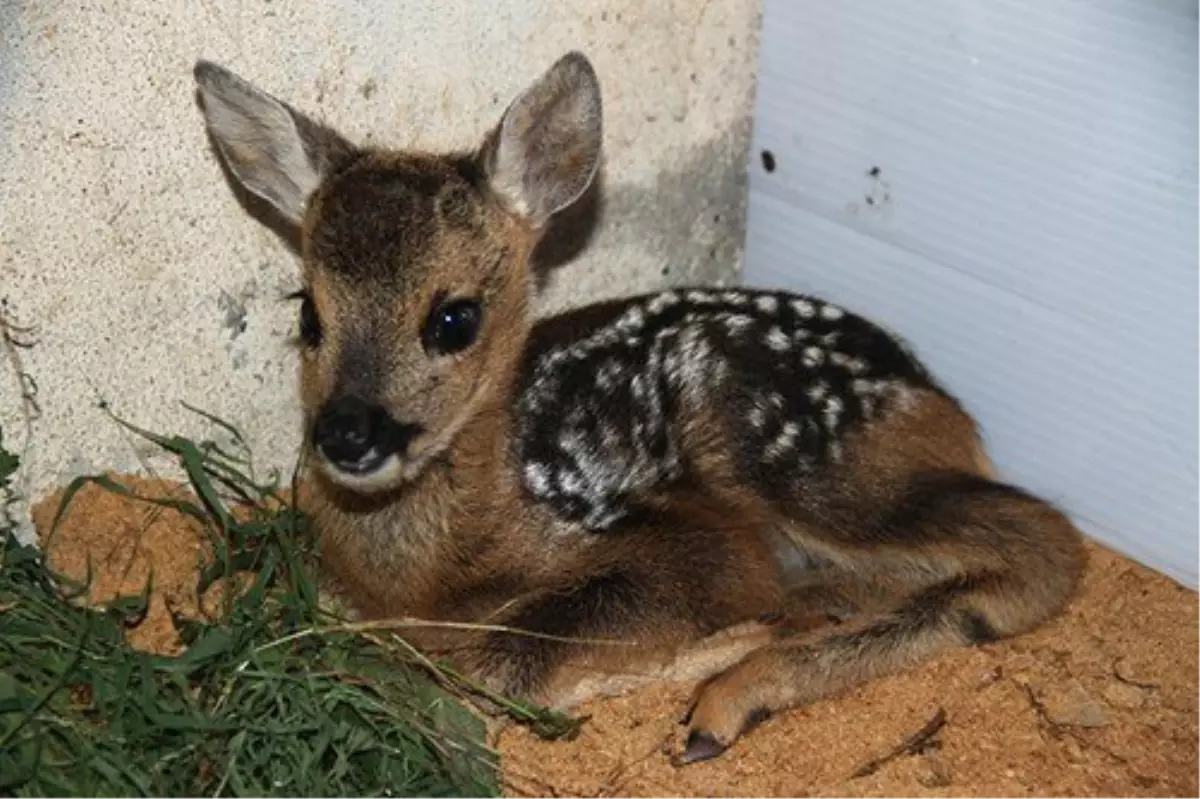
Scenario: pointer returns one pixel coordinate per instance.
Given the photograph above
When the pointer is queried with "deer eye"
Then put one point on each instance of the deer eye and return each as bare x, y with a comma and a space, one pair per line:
310, 323
452, 326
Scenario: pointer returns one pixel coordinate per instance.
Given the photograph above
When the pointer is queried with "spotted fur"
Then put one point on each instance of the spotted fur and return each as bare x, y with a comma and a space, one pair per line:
600, 415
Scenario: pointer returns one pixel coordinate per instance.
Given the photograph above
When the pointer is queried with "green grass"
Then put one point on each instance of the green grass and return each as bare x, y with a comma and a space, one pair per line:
276, 697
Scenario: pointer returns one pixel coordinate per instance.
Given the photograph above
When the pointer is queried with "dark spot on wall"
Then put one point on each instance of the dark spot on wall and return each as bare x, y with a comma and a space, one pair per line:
238, 359
234, 310
768, 160
874, 172
368, 88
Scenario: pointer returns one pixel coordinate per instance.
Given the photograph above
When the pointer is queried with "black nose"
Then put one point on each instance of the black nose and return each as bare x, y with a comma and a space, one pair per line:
358, 437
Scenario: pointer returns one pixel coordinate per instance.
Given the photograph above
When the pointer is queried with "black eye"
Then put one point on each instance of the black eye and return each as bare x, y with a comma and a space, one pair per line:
452, 326
310, 323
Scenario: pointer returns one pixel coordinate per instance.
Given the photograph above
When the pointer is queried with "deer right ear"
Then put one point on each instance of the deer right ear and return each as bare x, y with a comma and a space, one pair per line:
272, 150
546, 150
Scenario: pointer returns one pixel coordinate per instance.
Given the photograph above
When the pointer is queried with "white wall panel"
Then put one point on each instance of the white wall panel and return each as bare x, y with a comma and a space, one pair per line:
1012, 186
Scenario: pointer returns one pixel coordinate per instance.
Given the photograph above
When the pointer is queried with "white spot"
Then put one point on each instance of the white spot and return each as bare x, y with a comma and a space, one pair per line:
766, 303
572, 440
555, 357
661, 302
868, 406
609, 373
666, 332
800, 334
861, 387
601, 518
832, 412
778, 340
610, 436
776, 400
537, 477
738, 323
633, 341
856, 366
701, 297
818, 390
784, 441
838, 359
758, 417
571, 483
902, 397
605, 337
829, 339
696, 356
734, 298
804, 308
813, 356
832, 313
632, 320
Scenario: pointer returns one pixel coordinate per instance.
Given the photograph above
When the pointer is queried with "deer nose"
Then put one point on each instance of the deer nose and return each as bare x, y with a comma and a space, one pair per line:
358, 437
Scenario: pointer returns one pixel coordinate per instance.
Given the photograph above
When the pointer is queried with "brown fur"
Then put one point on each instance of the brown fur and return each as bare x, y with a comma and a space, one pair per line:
904, 539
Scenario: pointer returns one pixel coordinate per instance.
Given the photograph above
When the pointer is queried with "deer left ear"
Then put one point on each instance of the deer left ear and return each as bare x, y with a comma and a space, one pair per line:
273, 151
546, 150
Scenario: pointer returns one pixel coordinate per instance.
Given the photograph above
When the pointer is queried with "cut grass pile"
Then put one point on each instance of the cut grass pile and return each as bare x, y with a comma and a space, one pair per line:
273, 697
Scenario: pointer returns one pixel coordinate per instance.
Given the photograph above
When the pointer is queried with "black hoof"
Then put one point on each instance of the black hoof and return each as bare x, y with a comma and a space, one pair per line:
700, 746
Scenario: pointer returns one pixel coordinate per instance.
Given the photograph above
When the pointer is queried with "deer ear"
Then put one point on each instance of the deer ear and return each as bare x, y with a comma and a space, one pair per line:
272, 150
546, 150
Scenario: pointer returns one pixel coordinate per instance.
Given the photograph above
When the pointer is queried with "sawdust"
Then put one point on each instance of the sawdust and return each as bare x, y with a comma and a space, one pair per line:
1102, 702
122, 544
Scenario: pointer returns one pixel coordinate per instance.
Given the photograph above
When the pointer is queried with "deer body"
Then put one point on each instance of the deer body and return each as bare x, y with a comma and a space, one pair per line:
678, 470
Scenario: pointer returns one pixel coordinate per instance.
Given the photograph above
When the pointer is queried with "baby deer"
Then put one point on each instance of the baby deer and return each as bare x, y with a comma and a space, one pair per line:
655, 470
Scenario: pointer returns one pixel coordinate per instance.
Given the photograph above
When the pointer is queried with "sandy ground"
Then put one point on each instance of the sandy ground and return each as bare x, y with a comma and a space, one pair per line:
1103, 702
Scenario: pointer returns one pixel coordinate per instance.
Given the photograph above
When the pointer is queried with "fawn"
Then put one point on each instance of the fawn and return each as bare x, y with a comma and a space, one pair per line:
703, 473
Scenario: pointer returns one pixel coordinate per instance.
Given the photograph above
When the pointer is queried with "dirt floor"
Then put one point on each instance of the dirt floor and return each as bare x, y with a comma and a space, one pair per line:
1102, 702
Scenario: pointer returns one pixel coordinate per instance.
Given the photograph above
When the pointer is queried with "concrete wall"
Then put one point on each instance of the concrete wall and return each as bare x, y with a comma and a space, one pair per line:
148, 285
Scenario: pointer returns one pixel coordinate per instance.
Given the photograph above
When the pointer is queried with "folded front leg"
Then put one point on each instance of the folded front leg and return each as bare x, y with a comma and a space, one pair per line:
650, 608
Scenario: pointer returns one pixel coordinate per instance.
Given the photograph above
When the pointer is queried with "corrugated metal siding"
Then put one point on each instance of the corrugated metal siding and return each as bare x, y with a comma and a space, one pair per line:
1012, 186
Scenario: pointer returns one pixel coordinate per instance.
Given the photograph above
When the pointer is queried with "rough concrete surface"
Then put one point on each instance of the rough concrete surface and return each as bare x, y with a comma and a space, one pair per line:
146, 282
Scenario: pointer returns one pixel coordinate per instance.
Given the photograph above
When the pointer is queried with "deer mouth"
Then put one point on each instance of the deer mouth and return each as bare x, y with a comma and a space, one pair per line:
369, 462
373, 472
